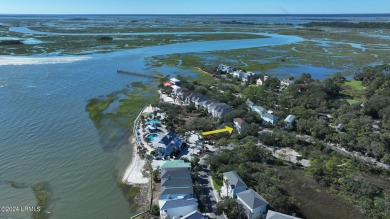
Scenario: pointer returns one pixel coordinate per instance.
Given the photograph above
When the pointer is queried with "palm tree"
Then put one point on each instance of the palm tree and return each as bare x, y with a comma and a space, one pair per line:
226, 181
193, 148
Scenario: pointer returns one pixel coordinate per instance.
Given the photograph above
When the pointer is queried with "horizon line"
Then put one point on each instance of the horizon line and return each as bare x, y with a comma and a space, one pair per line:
198, 14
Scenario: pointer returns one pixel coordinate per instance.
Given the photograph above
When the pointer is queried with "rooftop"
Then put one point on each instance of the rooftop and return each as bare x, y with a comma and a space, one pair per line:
194, 215
252, 199
239, 121
173, 190
277, 215
290, 118
175, 164
234, 179
177, 174
177, 203
169, 182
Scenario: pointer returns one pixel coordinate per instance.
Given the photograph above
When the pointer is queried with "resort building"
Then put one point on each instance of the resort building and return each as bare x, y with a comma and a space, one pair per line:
177, 208
232, 184
166, 142
277, 215
240, 124
254, 205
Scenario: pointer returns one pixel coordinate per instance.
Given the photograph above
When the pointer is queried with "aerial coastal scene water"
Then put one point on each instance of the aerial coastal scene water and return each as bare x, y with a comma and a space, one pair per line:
67, 117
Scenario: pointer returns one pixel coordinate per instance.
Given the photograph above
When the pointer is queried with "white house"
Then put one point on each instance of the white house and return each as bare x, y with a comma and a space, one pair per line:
232, 184
277, 215
259, 82
238, 74
254, 205
177, 207
286, 82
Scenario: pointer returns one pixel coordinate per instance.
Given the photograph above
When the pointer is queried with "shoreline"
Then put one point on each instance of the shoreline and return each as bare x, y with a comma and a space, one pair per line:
133, 173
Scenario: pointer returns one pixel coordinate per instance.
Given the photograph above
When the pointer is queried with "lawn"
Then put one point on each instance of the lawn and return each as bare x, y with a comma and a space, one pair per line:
355, 84
217, 185
352, 101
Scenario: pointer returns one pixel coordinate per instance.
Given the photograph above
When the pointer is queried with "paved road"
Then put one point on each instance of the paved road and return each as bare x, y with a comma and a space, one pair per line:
204, 180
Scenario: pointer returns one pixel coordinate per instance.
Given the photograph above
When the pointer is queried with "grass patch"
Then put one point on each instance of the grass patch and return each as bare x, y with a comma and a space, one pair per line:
130, 192
355, 84
217, 184
352, 101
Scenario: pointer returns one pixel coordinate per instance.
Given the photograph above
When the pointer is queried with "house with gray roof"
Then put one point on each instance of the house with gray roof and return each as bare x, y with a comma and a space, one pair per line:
221, 111
176, 193
175, 174
232, 184
254, 205
289, 120
259, 109
270, 118
264, 114
249, 103
194, 215
177, 208
204, 104
169, 182
277, 215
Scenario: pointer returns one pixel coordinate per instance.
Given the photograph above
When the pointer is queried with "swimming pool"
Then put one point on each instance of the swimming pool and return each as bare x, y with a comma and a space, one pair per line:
153, 122
151, 137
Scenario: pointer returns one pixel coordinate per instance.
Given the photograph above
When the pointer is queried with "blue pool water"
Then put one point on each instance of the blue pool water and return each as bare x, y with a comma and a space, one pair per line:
151, 137
153, 122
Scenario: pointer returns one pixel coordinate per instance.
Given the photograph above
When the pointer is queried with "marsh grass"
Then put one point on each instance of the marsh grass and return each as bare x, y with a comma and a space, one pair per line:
130, 192
42, 195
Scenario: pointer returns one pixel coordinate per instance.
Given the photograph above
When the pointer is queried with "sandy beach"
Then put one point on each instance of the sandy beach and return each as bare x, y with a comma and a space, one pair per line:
8, 60
133, 173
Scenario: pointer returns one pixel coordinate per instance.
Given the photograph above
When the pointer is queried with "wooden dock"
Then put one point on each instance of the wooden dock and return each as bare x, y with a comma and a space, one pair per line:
136, 74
